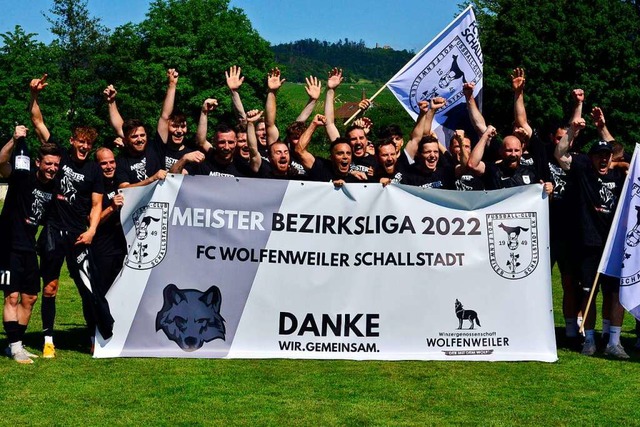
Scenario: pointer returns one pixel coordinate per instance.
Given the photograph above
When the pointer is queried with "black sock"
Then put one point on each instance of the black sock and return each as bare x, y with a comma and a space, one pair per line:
48, 308
12, 330
21, 330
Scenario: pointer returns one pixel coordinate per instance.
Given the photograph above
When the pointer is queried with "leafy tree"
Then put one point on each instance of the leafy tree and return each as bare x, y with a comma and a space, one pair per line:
199, 38
562, 45
80, 40
20, 58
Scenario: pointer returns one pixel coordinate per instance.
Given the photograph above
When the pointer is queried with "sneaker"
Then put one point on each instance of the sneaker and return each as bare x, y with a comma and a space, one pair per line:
616, 351
7, 352
29, 354
49, 351
589, 348
21, 357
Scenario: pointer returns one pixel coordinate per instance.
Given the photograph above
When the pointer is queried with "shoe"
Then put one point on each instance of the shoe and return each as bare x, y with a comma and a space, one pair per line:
589, 348
7, 352
49, 351
21, 357
29, 354
616, 351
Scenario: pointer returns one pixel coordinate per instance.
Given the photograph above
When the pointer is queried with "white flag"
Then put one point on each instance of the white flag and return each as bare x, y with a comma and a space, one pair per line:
621, 257
452, 58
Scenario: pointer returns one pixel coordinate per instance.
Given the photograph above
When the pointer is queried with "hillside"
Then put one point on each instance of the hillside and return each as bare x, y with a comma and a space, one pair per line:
304, 57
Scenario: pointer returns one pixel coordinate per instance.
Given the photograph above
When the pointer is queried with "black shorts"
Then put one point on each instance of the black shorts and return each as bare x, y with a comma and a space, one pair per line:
589, 259
23, 275
56, 246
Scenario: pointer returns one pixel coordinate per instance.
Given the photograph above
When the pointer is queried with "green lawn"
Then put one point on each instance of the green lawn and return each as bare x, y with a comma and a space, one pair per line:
76, 389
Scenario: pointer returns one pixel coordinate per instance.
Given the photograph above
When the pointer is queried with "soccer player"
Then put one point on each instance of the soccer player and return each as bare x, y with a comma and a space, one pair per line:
27, 202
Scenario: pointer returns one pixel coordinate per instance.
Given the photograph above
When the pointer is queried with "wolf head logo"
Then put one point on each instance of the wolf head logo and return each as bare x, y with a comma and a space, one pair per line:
190, 317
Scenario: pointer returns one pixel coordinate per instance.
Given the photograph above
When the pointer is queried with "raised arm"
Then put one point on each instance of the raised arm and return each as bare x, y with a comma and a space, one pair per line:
475, 115
36, 86
519, 112
434, 105
335, 78
578, 101
418, 131
167, 105
255, 160
598, 119
274, 82
6, 151
475, 163
305, 158
192, 157
208, 106
313, 88
114, 115
234, 81
561, 152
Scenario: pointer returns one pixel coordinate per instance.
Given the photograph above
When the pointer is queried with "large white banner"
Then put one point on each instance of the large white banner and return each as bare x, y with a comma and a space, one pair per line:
246, 268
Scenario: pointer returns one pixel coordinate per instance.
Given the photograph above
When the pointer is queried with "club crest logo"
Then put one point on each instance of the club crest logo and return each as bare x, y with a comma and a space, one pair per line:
513, 243
444, 76
630, 263
150, 245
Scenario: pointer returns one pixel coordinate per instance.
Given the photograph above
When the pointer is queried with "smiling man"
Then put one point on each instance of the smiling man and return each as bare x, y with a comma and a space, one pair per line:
73, 221
27, 203
597, 188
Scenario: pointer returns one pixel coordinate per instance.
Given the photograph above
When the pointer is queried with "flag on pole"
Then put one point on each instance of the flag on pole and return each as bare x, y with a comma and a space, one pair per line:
452, 58
621, 257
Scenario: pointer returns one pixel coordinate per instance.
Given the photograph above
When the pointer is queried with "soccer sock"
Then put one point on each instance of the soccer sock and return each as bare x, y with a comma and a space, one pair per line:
48, 315
571, 327
614, 335
12, 330
20, 331
605, 326
589, 335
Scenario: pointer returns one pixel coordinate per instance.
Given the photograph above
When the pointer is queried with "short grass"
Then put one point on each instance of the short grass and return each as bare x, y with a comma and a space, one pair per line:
75, 389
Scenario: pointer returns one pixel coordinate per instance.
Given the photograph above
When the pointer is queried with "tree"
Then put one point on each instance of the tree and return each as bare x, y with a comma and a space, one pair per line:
80, 40
562, 45
20, 58
199, 38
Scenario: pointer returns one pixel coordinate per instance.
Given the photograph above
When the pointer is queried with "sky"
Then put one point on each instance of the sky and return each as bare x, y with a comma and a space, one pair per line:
384, 22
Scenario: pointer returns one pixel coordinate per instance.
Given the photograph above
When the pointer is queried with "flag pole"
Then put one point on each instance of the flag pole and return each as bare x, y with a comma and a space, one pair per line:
370, 99
586, 310
410, 63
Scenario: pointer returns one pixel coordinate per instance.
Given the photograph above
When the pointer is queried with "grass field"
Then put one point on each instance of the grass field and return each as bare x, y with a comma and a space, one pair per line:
75, 389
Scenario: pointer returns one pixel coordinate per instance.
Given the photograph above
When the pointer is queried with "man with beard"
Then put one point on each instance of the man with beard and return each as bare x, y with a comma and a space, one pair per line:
597, 188
67, 233
26, 204
109, 244
390, 167
508, 171
221, 159
458, 155
336, 169
429, 170
139, 163
355, 135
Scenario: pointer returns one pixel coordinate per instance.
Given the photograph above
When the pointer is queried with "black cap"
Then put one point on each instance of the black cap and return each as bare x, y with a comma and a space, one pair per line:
601, 146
